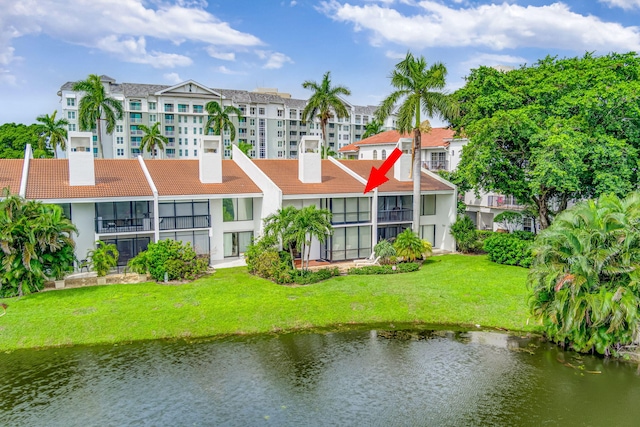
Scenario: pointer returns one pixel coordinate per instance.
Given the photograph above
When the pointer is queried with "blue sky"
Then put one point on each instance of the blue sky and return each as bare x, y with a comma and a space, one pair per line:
245, 44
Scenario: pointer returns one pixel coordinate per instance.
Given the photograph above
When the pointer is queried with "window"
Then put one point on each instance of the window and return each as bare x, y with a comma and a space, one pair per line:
348, 243
181, 215
135, 105
119, 139
120, 151
183, 108
195, 120
135, 141
180, 152
348, 210
279, 153
195, 131
71, 102
252, 122
200, 131
375, 154
384, 154
72, 127
261, 111
168, 108
198, 109
195, 153
169, 118
195, 141
237, 209
179, 141
252, 111
279, 123
428, 233
119, 128
152, 106
135, 117
199, 239
279, 143
280, 113
71, 115
280, 134
186, 153
236, 244
135, 152
428, 204
153, 118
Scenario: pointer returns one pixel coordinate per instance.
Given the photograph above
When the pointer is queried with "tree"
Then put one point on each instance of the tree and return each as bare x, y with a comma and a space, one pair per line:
53, 132
96, 106
34, 239
280, 225
324, 103
219, 119
511, 220
465, 233
411, 247
418, 89
152, 137
103, 257
374, 127
14, 139
560, 130
310, 223
585, 273
245, 147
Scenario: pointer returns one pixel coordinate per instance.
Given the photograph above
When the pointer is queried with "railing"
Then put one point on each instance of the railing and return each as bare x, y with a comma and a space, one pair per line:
504, 202
436, 165
183, 109
183, 222
135, 107
170, 155
137, 132
171, 144
395, 215
169, 132
135, 119
135, 144
110, 225
169, 121
350, 217
168, 108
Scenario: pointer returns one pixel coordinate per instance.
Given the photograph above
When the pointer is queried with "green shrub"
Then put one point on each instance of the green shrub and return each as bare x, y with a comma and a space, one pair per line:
405, 267
411, 247
103, 257
306, 277
385, 250
179, 261
465, 234
509, 249
524, 235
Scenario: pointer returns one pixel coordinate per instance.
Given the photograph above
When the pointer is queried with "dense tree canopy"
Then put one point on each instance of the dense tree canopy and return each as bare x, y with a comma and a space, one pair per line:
556, 131
15, 137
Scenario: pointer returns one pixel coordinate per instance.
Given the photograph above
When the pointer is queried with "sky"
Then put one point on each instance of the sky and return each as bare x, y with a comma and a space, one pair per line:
246, 44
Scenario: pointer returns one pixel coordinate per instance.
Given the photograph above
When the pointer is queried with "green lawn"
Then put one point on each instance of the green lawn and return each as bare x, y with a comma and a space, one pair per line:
450, 289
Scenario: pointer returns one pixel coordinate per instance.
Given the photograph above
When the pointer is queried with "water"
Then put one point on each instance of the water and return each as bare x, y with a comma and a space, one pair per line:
356, 378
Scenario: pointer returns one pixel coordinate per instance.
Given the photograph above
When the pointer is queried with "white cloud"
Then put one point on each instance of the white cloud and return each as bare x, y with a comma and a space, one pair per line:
395, 55
293, 3
215, 53
7, 78
490, 59
126, 23
224, 70
275, 60
173, 78
494, 26
625, 4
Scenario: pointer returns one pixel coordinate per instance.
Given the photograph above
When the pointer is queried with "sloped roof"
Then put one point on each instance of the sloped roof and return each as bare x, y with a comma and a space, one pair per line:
49, 179
182, 177
11, 174
437, 137
284, 173
363, 168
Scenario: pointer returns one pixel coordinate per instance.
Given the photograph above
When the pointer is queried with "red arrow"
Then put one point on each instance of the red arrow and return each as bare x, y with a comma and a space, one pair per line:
377, 177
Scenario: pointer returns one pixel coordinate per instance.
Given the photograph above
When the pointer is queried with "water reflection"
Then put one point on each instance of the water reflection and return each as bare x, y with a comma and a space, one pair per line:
373, 378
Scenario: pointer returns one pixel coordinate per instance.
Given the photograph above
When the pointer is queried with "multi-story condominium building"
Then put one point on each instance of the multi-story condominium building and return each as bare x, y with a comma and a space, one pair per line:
441, 150
219, 205
271, 121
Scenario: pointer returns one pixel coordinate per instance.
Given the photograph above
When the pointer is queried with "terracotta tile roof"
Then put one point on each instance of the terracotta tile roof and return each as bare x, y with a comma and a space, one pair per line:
49, 179
436, 138
284, 173
182, 177
363, 168
351, 148
11, 174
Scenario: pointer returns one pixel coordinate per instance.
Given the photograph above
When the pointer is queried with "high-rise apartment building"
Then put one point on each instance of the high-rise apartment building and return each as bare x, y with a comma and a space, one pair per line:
271, 123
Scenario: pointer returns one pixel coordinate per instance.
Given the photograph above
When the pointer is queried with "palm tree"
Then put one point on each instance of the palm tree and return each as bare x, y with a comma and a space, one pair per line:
584, 275
152, 138
411, 247
52, 131
280, 225
219, 119
418, 89
324, 102
374, 127
310, 223
96, 106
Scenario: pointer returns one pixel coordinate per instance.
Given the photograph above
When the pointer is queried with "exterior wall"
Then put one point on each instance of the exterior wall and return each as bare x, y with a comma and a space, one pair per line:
83, 216
366, 151
217, 230
445, 215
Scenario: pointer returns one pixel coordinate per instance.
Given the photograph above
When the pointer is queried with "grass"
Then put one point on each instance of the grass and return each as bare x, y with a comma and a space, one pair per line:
450, 289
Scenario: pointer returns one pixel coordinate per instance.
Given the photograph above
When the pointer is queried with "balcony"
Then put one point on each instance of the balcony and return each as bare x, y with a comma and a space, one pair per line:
436, 165
135, 120
169, 121
169, 132
183, 109
395, 215
168, 108
137, 132
184, 222
126, 225
504, 202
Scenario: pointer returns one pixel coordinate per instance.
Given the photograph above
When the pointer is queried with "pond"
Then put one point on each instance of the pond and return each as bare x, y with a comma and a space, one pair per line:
361, 377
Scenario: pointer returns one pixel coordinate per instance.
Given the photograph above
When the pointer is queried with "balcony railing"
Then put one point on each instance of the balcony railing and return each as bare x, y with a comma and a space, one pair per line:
169, 132
183, 222
504, 202
395, 215
436, 165
168, 108
169, 121
137, 132
135, 120
110, 225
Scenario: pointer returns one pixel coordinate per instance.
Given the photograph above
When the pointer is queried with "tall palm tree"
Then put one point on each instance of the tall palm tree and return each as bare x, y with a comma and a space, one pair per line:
52, 131
280, 225
418, 89
96, 106
310, 223
324, 102
219, 118
374, 127
584, 276
152, 138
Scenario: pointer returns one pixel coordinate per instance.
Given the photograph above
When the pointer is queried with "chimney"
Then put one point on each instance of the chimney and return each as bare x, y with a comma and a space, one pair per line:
402, 167
309, 160
210, 159
80, 157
